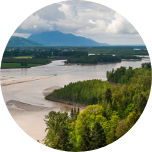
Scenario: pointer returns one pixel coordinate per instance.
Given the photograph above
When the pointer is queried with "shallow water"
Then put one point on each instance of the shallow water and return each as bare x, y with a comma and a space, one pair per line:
31, 92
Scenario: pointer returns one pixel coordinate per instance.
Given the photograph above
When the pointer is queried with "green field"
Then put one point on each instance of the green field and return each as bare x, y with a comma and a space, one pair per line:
16, 65
18, 57
23, 57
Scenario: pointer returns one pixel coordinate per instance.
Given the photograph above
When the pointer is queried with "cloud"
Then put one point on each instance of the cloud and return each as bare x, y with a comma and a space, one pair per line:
69, 11
80, 18
90, 21
120, 25
35, 26
25, 35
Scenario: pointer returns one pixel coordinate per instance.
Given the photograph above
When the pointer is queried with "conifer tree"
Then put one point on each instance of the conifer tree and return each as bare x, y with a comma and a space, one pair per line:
22, 64
108, 96
71, 113
98, 137
78, 111
61, 141
25, 63
74, 114
86, 139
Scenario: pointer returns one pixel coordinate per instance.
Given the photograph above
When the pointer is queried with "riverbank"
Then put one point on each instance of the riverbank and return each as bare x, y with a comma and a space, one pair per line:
73, 104
24, 98
13, 63
99, 63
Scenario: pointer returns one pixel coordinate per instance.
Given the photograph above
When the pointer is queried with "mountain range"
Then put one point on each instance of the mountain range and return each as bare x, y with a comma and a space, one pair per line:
56, 38
20, 41
53, 38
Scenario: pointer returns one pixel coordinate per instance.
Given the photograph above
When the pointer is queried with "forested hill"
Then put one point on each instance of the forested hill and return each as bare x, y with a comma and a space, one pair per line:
20, 41
117, 109
56, 38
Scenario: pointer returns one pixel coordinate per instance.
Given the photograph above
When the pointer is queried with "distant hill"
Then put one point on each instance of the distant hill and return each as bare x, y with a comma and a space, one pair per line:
56, 38
20, 41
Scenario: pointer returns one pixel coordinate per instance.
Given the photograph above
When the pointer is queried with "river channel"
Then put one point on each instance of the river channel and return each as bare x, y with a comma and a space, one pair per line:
23, 89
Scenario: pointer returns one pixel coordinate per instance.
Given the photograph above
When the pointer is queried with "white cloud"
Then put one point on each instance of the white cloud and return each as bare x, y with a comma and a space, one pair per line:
35, 26
90, 21
68, 10
80, 18
120, 25
25, 35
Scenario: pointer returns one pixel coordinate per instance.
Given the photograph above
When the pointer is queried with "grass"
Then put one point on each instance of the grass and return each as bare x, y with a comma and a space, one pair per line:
23, 57
54, 56
18, 57
16, 65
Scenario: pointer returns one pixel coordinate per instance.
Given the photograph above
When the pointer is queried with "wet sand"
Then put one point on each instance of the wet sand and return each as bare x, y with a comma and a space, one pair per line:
13, 80
25, 101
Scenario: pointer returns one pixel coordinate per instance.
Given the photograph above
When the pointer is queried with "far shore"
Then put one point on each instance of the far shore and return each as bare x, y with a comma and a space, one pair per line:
99, 63
73, 104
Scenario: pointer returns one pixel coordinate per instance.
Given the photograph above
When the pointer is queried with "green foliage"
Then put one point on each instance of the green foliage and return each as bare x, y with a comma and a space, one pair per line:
86, 92
98, 137
54, 121
62, 140
86, 139
129, 109
146, 65
116, 111
129, 57
29, 61
74, 113
108, 96
93, 59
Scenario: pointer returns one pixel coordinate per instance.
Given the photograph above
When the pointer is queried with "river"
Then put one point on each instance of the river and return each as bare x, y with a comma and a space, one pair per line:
25, 101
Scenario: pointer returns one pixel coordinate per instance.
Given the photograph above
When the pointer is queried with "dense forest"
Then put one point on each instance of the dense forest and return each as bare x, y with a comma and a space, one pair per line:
118, 50
129, 57
43, 54
94, 59
115, 111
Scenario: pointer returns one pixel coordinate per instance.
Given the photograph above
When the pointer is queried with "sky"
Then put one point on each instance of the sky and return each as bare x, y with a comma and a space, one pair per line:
81, 18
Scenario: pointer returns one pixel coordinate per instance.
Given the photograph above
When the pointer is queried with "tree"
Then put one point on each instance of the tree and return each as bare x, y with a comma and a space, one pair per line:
86, 139
25, 63
22, 64
142, 103
74, 113
54, 121
62, 141
71, 113
78, 111
108, 96
98, 137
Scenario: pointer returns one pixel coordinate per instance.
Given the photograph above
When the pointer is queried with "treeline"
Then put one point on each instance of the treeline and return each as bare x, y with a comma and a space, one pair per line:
40, 54
122, 75
75, 54
28, 61
93, 59
129, 57
146, 65
118, 50
117, 111
34, 54
81, 92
